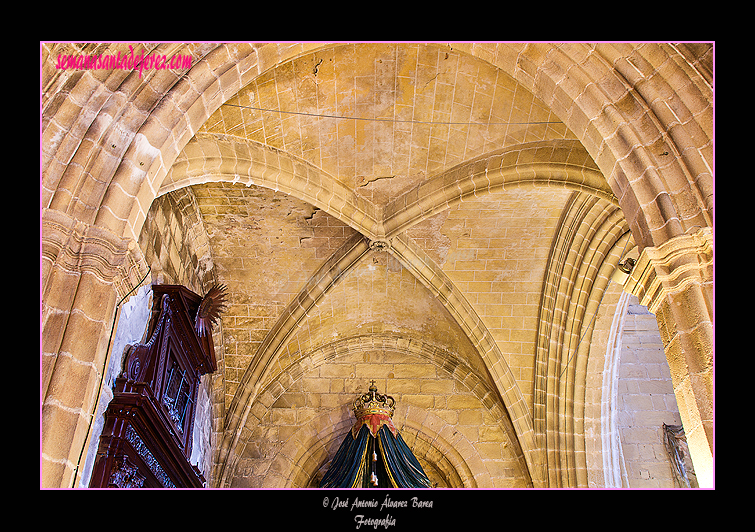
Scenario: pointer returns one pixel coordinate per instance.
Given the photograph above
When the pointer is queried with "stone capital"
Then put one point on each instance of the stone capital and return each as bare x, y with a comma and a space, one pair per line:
76, 247
671, 267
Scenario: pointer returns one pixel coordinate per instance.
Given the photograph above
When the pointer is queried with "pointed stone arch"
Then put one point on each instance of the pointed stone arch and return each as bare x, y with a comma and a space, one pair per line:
552, 163
653, 145
584, 254
616, 99
643, 112
306, 450
557, 163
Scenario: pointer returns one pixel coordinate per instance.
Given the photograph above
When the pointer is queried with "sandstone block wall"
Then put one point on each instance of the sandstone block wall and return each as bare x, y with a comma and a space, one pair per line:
646, 401
456, 433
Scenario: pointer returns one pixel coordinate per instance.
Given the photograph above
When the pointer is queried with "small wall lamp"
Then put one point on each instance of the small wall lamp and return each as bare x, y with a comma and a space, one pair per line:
625, 267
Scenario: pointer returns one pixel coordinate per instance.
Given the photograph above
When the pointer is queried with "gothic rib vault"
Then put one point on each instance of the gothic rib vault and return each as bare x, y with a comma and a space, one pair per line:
454, 244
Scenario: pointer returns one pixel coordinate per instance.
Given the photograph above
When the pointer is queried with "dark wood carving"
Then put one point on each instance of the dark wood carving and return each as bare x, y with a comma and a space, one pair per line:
147, 437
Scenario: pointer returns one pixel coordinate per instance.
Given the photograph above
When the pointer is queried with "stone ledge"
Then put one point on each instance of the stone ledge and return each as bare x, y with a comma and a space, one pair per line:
671, 267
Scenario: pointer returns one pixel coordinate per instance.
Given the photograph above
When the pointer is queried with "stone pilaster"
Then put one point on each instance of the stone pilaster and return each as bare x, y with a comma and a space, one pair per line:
86, 270
675, 281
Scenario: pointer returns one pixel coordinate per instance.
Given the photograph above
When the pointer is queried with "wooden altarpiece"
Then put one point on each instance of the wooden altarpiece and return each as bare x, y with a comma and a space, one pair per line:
147, 435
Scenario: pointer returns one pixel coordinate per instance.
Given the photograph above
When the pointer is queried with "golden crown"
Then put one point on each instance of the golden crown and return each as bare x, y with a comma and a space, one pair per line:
373, 402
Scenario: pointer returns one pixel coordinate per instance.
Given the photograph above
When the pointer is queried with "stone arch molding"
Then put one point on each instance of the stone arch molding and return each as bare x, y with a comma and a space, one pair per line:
305, 451
617, 99
587, 247
557, 163
433, 278
210, 158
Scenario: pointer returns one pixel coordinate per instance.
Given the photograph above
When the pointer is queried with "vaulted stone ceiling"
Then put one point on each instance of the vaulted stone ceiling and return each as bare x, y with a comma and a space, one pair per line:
327, 228
403, 202
417, 102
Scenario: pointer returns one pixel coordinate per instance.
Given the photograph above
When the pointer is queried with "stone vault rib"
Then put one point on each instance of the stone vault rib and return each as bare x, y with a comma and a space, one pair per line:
212, 158
556, 163
424, 269
323, 280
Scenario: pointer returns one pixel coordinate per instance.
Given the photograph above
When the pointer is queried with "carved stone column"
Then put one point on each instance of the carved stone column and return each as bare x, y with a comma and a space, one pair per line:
675, 282
86, 270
